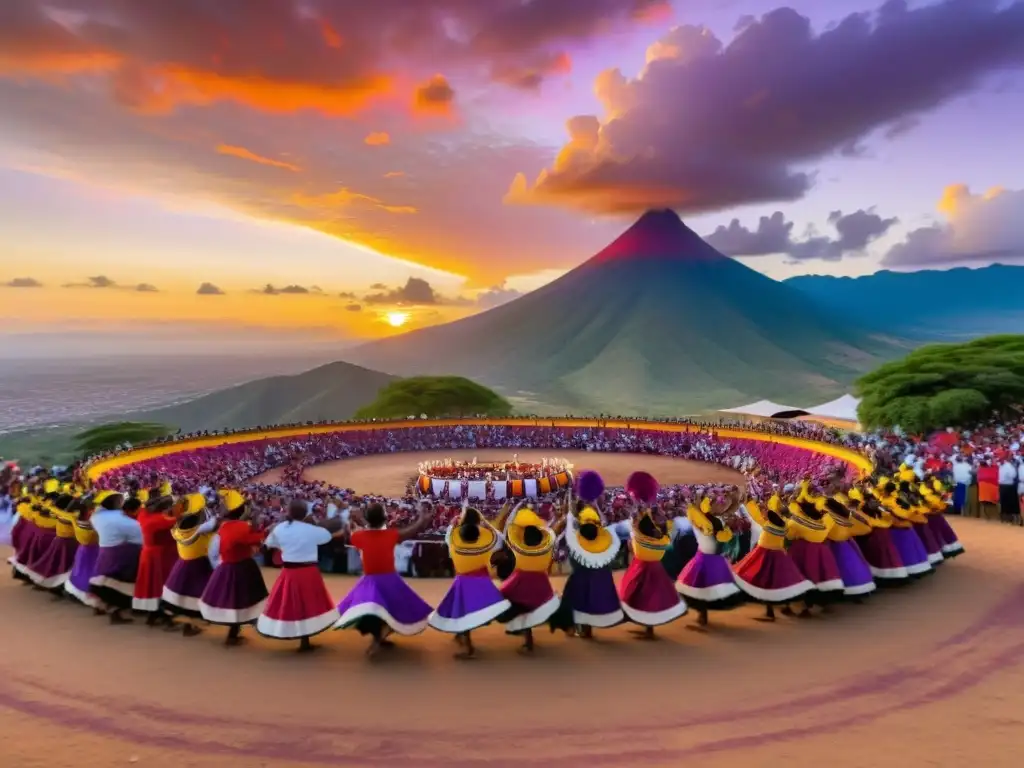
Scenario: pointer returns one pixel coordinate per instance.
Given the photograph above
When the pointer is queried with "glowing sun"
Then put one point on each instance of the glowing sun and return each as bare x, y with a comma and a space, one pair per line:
397, 319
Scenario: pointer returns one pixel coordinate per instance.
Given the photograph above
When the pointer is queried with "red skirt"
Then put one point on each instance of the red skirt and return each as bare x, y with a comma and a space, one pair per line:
818, 565
768, 576
299, 604
155, 564
648, 594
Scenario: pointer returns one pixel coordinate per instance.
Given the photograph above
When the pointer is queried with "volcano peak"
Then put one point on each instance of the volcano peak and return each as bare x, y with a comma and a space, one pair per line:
661, 235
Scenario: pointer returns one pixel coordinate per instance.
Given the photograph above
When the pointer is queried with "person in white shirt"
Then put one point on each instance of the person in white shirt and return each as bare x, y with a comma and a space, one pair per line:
117, 566
299, 605
1009, 501
963, 476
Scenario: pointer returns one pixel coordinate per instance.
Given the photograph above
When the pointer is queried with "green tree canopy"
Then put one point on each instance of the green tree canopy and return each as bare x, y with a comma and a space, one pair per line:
945, 385
435, 396
107, 436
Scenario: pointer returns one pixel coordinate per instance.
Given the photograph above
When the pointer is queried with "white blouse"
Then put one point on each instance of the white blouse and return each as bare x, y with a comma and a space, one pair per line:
297, 541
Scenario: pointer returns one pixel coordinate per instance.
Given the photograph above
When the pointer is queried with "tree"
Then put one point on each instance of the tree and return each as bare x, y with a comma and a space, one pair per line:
436, 397
945, 385
107, 436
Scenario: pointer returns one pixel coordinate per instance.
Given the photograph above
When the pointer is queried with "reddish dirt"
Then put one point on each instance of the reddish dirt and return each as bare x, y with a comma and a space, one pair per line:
928, 675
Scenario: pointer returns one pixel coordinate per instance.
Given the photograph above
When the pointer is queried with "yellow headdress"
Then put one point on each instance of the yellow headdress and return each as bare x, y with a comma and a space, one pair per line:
515, 529
596, 552
231, 499
142, 495
187, 527
51, 486
905, 474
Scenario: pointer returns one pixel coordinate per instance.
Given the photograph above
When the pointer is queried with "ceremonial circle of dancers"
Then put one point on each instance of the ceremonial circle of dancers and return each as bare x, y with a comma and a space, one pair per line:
150, 553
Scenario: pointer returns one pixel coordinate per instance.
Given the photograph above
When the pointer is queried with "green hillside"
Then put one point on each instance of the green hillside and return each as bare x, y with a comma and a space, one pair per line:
332, 392
658, 323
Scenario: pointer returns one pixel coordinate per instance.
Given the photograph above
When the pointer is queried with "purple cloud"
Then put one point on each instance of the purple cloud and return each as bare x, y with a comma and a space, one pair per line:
707, 126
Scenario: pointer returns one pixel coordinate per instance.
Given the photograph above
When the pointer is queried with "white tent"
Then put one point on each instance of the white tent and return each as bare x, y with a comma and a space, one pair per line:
764, 408
843, 409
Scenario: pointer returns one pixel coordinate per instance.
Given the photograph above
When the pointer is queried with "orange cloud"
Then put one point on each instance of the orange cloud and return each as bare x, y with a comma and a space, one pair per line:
394, 174
344, 198
435, 96
377, 139
245, 154
330, 34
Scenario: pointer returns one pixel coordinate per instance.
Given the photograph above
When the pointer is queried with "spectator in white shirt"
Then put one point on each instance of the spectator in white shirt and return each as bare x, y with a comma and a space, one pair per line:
963, 476
1009, 501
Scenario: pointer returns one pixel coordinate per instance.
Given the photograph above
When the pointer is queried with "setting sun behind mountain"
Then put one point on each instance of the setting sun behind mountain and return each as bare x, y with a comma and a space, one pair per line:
397, 319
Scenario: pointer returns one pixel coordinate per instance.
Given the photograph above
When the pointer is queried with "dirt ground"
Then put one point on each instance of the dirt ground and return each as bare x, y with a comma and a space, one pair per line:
928, 675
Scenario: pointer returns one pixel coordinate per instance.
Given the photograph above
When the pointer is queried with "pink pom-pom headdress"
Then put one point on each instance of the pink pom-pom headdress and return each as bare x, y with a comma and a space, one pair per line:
642, 486
589, 485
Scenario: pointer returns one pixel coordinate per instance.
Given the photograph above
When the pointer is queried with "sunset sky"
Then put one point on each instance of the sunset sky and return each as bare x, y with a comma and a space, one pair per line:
217, 168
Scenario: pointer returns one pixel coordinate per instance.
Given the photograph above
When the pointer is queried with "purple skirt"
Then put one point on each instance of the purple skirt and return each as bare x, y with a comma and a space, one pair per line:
931, 544
34, 548
593, 598
185, 586
386, 597
943, 532
235, 594
472, 601
84, 568
882, 556
912, 552
854, 569
818, 565
51, 569
116, 570
707, 582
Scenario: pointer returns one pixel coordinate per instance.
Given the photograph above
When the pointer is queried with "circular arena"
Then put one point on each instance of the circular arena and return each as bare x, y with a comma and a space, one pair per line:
933, 668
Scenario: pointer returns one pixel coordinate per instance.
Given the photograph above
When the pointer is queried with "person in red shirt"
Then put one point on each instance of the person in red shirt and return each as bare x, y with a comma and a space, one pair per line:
236, 593
158, 556
381, 603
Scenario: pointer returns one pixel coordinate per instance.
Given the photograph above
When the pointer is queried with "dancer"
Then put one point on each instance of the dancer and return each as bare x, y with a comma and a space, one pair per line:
590, 598
918, 509
707, 581
532, 601
766, 574
472, 601
158, 556
935, 498
853, 567
53, 566
22, 531
46, 531
911, 550
86, 555
807, 530
117, 567
299, 605
648, 595
236, 593
381, 603
188, 578
872, 531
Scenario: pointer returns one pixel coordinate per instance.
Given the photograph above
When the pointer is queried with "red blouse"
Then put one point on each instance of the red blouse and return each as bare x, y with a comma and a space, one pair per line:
377, 546
156, 529
238, 540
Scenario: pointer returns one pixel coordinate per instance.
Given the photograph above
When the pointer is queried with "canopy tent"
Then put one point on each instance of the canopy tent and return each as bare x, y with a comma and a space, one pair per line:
766, 409
841, 409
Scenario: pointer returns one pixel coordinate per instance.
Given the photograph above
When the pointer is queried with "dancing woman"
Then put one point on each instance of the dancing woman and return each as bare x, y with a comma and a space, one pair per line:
853, 567
532, 601
590, 598
22, 533
120, 541
191, 573
807, 529
53, 565
86, 556
872, 524
647, 593
472, 601
381, 603
935, 498
707, 581
299, 605
767, 575
911, 550
158, 556
236, 593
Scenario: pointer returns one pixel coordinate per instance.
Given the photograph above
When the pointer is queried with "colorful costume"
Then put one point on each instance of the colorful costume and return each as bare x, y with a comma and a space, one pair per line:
648, 595
937, 522
188, 578
84, 567
40, 541
236, 592
159, 555
22, 534
853, 567
707, 581
381, 595
807, 529
871, 529
767, 574
53, 565
299, 605
532, 601
472, 601
911, 550
590, 598
120, 540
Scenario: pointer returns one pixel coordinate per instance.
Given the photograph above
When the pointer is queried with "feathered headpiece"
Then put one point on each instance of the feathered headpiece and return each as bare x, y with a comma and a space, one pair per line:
642, 486
589, 485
